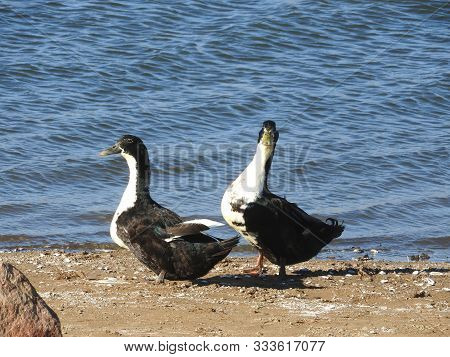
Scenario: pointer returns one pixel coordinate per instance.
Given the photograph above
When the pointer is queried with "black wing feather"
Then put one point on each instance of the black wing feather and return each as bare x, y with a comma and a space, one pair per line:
285, 231
144, 231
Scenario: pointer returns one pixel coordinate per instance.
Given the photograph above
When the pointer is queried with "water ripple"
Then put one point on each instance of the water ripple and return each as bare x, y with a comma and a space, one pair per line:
359, 91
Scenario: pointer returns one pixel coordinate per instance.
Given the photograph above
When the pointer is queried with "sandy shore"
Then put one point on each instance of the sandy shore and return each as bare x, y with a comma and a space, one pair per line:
112, 294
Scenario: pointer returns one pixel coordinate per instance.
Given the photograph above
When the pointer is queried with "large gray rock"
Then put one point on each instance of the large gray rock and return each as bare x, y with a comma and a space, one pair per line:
22, 311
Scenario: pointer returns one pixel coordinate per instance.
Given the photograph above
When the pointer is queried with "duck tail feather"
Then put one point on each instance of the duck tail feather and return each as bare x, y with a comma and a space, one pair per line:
230, 243
226, 246
336, 227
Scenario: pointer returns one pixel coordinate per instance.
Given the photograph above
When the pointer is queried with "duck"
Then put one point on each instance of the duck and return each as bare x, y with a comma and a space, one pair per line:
173, 248
280, 230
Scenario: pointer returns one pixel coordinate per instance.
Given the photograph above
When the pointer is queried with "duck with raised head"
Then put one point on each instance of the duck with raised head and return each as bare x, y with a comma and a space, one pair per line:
172, 248
279, 229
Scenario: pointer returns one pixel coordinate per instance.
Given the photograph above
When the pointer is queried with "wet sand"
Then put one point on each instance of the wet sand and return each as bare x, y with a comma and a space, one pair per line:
112, 294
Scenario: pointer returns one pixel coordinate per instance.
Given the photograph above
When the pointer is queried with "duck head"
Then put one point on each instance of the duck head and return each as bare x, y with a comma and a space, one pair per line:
268, 136
135, 153
126, 145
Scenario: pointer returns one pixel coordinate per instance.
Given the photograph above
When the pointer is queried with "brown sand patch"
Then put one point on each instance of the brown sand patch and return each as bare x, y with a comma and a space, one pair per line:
112, 294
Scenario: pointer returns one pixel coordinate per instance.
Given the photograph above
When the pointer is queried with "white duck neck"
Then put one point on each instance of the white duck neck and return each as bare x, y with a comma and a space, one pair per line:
129, 196
253, 180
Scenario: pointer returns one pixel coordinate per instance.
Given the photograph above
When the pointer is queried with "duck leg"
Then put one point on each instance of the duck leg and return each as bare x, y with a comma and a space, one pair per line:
282, 271
258, 269
160, 278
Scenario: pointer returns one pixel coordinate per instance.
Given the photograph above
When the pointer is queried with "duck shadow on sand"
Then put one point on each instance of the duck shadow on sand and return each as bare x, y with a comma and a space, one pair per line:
296, 278
264, 281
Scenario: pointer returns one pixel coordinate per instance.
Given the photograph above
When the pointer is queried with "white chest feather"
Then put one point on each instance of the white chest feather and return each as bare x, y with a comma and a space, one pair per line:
128, 200
247, 188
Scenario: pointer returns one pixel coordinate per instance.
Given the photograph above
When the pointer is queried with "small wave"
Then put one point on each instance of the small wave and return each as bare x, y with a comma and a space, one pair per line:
360, 88
15, 238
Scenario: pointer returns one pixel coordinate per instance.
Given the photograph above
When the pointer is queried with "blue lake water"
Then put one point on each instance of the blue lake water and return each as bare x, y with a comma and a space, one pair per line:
359, 91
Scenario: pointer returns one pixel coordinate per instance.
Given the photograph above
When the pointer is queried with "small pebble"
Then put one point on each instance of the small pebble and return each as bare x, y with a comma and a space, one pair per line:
417, 257
382, 273
429, 281
421, 294
384, 281
415, 272
436, 273
364, 257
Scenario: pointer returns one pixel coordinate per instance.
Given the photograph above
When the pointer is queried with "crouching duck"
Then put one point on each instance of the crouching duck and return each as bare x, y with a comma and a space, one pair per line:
280, 230
172, 248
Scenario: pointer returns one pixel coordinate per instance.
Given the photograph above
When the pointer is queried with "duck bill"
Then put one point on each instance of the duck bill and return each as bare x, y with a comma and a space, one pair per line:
268, 137
115, 149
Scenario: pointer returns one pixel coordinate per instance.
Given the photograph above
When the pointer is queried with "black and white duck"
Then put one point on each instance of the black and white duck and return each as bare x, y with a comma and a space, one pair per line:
172, 248
280, 230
